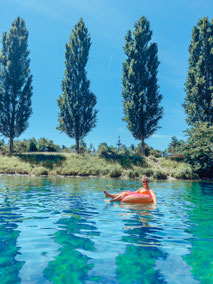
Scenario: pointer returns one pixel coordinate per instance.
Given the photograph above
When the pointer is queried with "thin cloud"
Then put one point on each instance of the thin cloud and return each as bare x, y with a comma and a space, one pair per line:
109, 64
166, 136
122, 130
160, 136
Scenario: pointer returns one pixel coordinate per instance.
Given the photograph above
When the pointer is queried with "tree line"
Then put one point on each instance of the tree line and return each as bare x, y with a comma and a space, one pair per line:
77, 114
140, 90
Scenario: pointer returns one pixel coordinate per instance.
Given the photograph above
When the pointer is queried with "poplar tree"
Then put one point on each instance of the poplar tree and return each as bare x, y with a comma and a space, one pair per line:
141, 97
15, 82
77, 115
198, 102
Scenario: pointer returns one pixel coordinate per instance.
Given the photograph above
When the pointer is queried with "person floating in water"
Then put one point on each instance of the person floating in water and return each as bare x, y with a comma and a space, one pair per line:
144, 194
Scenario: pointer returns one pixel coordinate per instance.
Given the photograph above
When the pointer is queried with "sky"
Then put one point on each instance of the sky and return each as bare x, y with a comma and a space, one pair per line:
50, 23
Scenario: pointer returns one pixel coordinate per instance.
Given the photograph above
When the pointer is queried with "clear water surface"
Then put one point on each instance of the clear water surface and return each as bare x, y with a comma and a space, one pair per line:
61, 230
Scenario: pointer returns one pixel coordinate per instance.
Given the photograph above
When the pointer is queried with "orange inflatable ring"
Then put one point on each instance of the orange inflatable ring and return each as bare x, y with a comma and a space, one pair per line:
134, 197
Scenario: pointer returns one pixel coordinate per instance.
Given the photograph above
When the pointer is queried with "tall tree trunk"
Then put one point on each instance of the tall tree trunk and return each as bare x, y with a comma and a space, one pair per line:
77, 145
11, 145
142, 147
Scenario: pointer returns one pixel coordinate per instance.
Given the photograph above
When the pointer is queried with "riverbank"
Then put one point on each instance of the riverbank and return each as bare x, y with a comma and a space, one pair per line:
88, 165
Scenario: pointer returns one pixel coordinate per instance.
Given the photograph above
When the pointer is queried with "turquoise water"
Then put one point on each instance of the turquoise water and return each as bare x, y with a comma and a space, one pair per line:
60, 230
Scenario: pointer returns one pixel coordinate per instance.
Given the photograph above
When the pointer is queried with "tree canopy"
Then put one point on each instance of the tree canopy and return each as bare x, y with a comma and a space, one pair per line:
198, 150
77, 115
15, 82
175, 146
141, 97
198, 103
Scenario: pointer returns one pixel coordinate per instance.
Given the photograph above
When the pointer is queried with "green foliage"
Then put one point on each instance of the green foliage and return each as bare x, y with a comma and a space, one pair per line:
160, 174
32, 145
1, 143
45, 160
3, 147
21, 146
141, 97
77, 115
123, 157
40, 171
149, 151
15, 82
148, 172
72, 164
82, 146
132, 173
199, 85
175, 146
12, 165
115, 172
103, 149
45, 145
198, 150
91, 149
184, 172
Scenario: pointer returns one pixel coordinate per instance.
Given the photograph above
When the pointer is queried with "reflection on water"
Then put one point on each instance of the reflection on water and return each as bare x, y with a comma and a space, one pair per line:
9, 266
74, 235
60, 230
137, 263
200, 257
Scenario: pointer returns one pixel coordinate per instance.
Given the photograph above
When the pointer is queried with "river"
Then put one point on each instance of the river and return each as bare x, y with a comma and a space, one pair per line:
61, 230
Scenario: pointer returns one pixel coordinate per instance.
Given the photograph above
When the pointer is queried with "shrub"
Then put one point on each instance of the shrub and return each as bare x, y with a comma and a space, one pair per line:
104, 171
198, 150
115, 172
130, 173
158, 174
38, 171
148, 172
148, 151
184, 173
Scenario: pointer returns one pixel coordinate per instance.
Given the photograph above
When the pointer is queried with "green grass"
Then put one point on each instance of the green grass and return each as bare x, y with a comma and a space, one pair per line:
71, 164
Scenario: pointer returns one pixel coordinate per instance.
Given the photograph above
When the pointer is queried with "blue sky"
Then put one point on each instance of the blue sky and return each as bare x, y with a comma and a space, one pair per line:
50, 23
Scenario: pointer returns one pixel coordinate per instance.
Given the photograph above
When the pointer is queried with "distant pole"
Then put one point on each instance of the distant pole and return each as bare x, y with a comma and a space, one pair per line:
119, 144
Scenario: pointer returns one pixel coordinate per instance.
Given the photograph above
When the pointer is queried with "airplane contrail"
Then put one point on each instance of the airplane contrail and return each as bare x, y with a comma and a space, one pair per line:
109, 64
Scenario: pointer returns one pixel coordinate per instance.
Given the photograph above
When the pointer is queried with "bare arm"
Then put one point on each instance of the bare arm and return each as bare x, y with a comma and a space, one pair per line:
153, 196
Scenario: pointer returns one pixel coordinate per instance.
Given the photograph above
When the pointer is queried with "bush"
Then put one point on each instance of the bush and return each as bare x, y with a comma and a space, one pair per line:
104, 171
20, 146
176, 159
115, 172
148, 172
12, 165
168, 163
67, 171
158, 174
184, 173
39, 171
148, 151
103, 149
132, 173
198, 150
